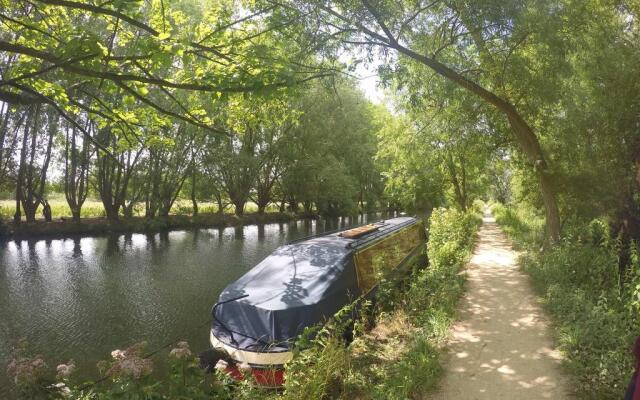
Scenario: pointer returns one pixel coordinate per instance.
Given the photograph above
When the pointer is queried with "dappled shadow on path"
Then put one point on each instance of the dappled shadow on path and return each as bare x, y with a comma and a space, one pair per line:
500, 348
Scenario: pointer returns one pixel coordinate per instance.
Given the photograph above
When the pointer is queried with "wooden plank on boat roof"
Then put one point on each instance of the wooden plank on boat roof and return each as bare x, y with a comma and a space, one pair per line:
359, 231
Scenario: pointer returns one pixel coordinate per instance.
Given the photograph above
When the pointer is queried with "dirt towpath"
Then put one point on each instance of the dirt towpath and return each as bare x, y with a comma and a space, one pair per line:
500, 348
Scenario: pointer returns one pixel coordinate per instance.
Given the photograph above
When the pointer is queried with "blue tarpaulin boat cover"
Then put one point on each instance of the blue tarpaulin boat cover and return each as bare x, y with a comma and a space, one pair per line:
298, 285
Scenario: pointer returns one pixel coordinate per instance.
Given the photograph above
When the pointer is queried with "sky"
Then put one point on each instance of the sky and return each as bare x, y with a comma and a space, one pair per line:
366, 73
368, 82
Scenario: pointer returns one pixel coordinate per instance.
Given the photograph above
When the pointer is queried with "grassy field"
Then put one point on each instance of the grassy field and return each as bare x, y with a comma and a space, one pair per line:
93, 208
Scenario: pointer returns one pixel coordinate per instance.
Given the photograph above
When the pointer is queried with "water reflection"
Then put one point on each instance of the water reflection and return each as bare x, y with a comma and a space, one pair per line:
80, 298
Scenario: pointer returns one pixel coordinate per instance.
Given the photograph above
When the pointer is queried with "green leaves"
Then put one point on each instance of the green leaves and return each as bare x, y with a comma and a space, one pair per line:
160, 50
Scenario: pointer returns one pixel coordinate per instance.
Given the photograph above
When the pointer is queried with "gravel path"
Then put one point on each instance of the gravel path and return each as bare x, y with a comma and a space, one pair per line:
500, 348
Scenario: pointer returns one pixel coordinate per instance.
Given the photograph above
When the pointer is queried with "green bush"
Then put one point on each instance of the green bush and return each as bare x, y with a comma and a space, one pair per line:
523, 225
594, 322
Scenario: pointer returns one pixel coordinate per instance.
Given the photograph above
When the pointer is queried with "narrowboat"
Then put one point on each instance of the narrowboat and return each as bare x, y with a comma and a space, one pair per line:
301, 284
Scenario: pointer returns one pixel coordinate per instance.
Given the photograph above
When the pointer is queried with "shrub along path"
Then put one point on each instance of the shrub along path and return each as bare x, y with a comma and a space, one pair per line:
501, 347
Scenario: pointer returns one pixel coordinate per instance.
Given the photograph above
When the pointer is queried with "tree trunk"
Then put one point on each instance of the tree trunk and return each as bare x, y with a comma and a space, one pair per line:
220, 205
308, 207
293, 204
458, 190
75, 214
263, 199
193, 191
46, 211
76, 173
239, 207
112, 212
17, 217
4, 125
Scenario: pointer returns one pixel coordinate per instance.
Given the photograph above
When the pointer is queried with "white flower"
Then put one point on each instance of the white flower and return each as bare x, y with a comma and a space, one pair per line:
61, 388
118, 355
181, 351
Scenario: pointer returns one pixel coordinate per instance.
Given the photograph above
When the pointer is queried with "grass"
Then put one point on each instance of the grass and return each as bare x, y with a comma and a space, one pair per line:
594, 322
93, 208
523, 225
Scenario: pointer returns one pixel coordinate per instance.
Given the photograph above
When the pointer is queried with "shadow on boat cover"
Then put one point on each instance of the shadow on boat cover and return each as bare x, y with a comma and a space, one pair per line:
299, 285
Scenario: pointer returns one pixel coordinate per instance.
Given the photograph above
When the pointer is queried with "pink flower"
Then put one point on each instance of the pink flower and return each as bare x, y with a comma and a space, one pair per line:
25, 370
65, 370
133, 367
130, 363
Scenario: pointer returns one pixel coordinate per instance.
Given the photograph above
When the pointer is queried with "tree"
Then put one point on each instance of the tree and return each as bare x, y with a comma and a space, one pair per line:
76, 158
35, 154
489, 32
10, 123
168, 167
332, 146
113, 171
142, 50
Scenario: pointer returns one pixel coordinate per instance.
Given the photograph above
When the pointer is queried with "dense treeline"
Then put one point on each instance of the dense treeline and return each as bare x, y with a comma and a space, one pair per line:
566, 67
310, 151
138, 105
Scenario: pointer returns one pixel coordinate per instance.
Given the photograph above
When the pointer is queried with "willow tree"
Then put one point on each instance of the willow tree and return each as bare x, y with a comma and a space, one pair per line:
471, 44
133, 68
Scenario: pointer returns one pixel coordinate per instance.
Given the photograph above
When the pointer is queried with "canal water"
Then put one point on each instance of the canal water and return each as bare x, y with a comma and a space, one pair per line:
81, 298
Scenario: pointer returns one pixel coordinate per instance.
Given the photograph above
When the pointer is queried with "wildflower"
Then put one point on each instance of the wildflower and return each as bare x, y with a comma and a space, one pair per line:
65, 370
60, 388
25, 370
130, 363
133, 366
182, 351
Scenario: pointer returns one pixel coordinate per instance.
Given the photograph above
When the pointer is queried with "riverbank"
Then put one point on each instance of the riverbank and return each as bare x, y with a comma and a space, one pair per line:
63, 228
399, 357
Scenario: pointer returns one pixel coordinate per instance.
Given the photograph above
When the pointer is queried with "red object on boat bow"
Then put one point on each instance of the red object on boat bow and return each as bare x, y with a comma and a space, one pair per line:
263, 377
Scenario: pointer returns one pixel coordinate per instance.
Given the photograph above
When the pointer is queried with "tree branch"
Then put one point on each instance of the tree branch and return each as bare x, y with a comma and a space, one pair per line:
103, 11
380, 21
